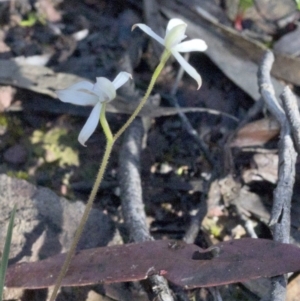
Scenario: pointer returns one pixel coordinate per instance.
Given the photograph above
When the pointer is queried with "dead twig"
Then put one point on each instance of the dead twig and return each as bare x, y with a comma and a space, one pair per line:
266, 87
130, 183
280, 217
131, 196
287, 154
291, 109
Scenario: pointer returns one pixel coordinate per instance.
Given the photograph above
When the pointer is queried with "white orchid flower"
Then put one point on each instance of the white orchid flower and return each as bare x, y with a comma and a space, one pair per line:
175, 33
86, 93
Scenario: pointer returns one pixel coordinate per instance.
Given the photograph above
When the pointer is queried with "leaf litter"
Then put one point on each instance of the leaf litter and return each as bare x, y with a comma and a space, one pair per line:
247, 189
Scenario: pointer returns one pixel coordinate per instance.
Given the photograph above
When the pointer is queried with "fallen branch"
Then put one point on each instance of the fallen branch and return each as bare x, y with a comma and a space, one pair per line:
281, 211
131, 194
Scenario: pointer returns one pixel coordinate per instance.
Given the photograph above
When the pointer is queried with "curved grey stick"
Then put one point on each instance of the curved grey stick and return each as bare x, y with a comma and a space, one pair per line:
281, 210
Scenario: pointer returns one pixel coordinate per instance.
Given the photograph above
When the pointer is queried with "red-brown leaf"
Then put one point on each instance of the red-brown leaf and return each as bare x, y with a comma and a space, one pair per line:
186, 265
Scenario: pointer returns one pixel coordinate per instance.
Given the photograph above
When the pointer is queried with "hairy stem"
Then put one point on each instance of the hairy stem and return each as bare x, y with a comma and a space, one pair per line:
109, 144
155, 75
63, 271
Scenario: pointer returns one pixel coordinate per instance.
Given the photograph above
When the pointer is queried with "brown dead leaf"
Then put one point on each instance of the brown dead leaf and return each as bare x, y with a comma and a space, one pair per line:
264, 167
183, 264
256, 133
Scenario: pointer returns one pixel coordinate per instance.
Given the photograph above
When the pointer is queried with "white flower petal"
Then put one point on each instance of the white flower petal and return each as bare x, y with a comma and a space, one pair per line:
121, 79
77, 97
172, 23
105, 89
90, 125
192, 45
175, 35
84, 85
149, 32
188, 68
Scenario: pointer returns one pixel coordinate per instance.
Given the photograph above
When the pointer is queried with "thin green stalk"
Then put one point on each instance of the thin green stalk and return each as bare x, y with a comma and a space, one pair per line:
155, 75
109, 144
5, 255
105, 125
108, 149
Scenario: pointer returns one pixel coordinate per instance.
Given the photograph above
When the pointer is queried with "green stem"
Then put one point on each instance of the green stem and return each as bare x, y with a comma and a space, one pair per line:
105, 125
109, 144
166, 54
62, 273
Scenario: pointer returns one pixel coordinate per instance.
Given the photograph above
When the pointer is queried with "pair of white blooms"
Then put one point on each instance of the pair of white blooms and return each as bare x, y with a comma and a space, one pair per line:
85, 93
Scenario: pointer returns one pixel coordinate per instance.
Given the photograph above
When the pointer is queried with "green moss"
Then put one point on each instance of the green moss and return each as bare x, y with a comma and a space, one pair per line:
3, 120
11, 130
23, 175
12, 125
245, 4
56, 145
15, 127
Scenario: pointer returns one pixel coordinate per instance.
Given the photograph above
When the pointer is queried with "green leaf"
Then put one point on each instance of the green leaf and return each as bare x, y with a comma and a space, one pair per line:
245, 4
6, 250
298, 4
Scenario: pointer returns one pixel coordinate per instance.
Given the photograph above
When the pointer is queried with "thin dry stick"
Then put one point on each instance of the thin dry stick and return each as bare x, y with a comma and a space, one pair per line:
291, 109
285, 153
280, 217
130, 183
132, 202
